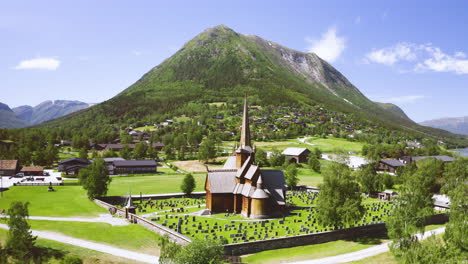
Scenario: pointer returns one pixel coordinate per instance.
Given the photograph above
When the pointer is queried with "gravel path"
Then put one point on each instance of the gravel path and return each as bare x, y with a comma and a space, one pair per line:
103, 218
94, 246
365, 253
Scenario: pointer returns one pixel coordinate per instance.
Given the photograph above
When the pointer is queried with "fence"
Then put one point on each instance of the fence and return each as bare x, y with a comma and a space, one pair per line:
157, 228
37, 183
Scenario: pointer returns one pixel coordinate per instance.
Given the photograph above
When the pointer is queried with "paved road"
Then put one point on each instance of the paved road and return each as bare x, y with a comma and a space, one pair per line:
365, 253
94, 246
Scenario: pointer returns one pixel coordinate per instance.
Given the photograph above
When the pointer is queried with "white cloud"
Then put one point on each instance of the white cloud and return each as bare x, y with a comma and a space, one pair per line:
137, 52
329, 47
405, 99
419, 58
50, 64
390, 55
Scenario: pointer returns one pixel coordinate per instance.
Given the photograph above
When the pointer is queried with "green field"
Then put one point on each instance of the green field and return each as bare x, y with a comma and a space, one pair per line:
307, 252
329, 145
87, 255
384, 258
160, 183
65, 201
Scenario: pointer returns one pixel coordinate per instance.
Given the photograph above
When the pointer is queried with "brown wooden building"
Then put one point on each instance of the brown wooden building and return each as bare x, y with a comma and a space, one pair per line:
33, 171
242, 187
296, 155
9, 167
390, 166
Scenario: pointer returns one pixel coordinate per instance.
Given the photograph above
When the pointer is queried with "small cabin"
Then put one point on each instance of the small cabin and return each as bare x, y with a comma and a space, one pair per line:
297, 155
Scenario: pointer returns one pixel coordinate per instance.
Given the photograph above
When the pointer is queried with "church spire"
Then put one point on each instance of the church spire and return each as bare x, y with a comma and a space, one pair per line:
245, 133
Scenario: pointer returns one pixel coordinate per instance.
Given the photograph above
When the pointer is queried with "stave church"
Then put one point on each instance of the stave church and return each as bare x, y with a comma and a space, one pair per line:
242, 187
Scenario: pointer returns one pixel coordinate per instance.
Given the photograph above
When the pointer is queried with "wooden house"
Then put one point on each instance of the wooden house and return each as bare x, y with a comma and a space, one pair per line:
296, 155
72, 166
9, 167
390, 165
33, 171
134, 166
243, 188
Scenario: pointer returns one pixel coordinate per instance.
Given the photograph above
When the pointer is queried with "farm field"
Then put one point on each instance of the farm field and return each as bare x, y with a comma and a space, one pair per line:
87, 255
159, 183
66, 201
327, 145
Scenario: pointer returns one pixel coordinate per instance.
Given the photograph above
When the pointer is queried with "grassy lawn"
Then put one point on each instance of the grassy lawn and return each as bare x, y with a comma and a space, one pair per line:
132, 237
65, 201
306, 252
87, 255
327, 145
160, 183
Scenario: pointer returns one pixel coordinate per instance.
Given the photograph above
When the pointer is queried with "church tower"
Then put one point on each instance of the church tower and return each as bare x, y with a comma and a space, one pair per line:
245, 149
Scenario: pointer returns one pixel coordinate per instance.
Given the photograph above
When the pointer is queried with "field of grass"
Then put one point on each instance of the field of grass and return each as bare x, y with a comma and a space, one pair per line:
87, 255
328, 145
159, 183
132, 237
65, 201
307, 252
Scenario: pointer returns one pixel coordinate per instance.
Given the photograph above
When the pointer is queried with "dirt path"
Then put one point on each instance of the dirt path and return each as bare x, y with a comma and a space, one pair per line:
365, 253
94, 246
103, 218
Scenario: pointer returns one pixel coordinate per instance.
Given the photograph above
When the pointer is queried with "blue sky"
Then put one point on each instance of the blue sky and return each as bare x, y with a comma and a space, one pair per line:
412, 53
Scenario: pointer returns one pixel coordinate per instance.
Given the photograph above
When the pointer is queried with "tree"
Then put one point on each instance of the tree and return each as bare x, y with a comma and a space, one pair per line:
168, 151
125, 152
140, 151
207, 150
339, 200
456, 188
168, 250
317, 153
201, 252
188, 184
20, 242
70, 259
261, 157
83, 154
277, 159
314, 163
412, 205
291, 175
369, 180
95, 179
51, 154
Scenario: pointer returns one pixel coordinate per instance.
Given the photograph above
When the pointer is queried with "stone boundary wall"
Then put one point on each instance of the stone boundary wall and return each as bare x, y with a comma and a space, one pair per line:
374, 230
157, 228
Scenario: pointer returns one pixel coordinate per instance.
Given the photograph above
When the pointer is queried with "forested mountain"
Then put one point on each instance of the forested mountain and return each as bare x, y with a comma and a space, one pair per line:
457, 125
394, 109
221, 65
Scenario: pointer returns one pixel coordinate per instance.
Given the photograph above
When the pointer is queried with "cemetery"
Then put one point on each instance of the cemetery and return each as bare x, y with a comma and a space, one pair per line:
184, 215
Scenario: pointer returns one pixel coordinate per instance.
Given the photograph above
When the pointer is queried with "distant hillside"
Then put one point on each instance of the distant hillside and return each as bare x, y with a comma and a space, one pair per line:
8, 118
48, 110
221, 65
457, 125
393, 109
26, 115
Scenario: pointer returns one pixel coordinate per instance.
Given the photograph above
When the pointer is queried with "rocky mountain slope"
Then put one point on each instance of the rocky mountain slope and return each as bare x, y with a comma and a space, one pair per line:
457, 125
25, 115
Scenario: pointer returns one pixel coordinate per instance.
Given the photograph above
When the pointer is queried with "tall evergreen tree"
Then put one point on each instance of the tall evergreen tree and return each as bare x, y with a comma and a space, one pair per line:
95, 179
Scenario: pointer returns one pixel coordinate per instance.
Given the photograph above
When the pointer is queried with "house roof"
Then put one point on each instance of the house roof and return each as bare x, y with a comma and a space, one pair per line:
135, 163
32, 168
260, 194
393, 163
79, 160
274, 182
295, 151
230, 163
251, 172
222, 181
108, 160
8, 164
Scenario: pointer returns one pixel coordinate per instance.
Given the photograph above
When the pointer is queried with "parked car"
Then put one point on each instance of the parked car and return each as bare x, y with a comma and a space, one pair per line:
19, 174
